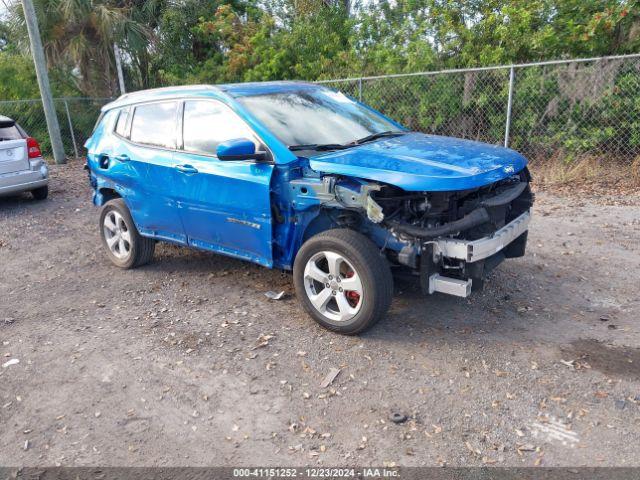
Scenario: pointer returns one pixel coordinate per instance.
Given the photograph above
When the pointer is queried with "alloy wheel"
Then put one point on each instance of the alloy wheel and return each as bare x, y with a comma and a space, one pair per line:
333, 286
117, 235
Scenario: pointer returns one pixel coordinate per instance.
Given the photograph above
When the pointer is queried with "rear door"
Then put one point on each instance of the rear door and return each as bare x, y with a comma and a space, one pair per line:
151, 144
13, 150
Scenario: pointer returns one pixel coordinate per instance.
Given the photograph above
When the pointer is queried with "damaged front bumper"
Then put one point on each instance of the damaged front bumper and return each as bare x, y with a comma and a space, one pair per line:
473, 259
474, 250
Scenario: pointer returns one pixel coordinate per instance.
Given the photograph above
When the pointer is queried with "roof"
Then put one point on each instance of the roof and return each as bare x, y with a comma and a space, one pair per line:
160, 93
261, 88
231, 89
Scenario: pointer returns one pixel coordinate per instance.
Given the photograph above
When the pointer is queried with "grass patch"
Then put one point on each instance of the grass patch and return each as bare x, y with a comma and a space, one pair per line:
591, 174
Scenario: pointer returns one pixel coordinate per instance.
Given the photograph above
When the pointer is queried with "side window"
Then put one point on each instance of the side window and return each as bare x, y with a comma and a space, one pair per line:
105, 123
206, 124
121, 125
155, 124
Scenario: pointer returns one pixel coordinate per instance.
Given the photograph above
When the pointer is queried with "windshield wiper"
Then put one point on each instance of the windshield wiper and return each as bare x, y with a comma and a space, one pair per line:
319, 147
375, 136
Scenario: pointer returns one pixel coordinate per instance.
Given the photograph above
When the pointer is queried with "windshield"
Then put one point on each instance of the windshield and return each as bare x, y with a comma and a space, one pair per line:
319, 117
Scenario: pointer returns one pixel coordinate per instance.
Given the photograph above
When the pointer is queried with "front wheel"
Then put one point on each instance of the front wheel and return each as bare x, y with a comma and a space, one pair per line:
343, 281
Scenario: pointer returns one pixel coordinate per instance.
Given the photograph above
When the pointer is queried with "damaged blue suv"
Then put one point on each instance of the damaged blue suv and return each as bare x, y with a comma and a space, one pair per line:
301, 177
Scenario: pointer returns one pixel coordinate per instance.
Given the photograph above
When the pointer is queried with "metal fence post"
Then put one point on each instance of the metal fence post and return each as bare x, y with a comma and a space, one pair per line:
73, 136
360, 89
512, 74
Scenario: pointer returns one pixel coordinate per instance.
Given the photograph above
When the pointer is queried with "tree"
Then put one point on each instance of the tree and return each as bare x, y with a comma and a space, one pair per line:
17, 77
78, 37
185, 41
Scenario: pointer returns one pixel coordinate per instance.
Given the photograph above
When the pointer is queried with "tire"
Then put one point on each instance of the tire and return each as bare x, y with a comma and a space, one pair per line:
40, 193
129, 249
358, 262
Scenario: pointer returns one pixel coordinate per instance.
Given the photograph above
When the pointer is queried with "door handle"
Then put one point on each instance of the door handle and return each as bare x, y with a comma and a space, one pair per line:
122, 158
188, 169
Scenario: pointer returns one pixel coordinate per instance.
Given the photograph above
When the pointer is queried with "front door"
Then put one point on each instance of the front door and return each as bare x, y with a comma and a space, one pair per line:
225, 206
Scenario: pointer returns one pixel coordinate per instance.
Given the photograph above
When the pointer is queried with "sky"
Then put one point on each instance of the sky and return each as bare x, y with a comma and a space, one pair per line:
3, 7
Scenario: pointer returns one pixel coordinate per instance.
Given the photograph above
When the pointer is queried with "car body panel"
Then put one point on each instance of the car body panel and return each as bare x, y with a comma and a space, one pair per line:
261, 88
169, 203
154, 207
236, 219
18, 172
281, 154
145, 179
251, 210
419, 162
22, 181
13, 156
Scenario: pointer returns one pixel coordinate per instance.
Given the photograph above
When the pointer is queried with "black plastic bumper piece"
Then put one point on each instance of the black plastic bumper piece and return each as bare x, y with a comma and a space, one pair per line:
473, 219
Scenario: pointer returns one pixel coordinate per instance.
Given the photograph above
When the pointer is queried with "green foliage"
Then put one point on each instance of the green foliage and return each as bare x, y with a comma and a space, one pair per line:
17, 77
238, 40
78, 38
18, 82
214, 41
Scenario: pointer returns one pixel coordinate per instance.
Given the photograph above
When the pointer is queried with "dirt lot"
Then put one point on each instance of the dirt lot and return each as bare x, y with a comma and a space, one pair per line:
186, 362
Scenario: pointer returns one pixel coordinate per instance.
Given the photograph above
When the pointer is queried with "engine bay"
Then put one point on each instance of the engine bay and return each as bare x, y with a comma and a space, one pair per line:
467, 214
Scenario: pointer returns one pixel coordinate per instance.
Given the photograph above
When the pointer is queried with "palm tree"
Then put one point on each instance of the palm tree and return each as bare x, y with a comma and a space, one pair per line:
78, 36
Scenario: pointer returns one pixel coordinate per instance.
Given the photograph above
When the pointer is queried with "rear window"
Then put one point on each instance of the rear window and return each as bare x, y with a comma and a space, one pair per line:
121, 125
105, 123
155, 124
10, 133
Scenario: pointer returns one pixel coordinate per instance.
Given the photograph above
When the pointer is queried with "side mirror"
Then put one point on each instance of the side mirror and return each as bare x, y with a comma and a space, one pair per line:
239, 149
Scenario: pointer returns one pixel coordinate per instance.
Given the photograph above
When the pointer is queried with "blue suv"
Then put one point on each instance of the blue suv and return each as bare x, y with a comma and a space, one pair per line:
301, 177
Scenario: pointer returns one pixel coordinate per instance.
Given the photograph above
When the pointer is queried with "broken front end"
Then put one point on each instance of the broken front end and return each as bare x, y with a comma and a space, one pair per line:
452, 240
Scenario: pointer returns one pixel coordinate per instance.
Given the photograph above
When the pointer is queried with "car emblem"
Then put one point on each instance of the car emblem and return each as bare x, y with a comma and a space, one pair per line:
509, 169
9, 153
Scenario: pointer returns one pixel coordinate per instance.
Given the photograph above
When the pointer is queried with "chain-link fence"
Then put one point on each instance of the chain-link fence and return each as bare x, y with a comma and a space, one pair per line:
550, 110
76, 116
560, 110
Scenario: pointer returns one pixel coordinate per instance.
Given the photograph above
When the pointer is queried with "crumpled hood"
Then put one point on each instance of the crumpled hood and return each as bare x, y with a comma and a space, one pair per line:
419, 162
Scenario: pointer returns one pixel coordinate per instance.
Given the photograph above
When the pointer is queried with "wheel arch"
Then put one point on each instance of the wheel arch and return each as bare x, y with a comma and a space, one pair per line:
106, 194
325, 219
321, 222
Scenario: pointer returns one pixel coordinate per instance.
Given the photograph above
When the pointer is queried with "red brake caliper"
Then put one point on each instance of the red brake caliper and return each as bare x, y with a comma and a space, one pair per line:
352, 297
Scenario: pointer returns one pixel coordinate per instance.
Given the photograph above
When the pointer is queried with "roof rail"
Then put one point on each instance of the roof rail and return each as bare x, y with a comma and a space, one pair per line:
131, 95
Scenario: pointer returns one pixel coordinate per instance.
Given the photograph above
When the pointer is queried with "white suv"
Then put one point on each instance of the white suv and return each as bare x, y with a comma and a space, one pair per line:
22, 168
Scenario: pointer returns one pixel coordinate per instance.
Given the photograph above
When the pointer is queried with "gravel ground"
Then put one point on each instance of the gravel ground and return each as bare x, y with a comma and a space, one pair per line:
186, 362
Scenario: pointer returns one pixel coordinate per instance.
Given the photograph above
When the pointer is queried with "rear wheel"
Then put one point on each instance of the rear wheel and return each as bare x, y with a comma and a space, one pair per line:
125, 247
40, 193
343, 281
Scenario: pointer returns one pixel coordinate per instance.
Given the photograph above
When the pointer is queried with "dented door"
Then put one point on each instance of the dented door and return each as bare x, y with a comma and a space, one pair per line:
226, 206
